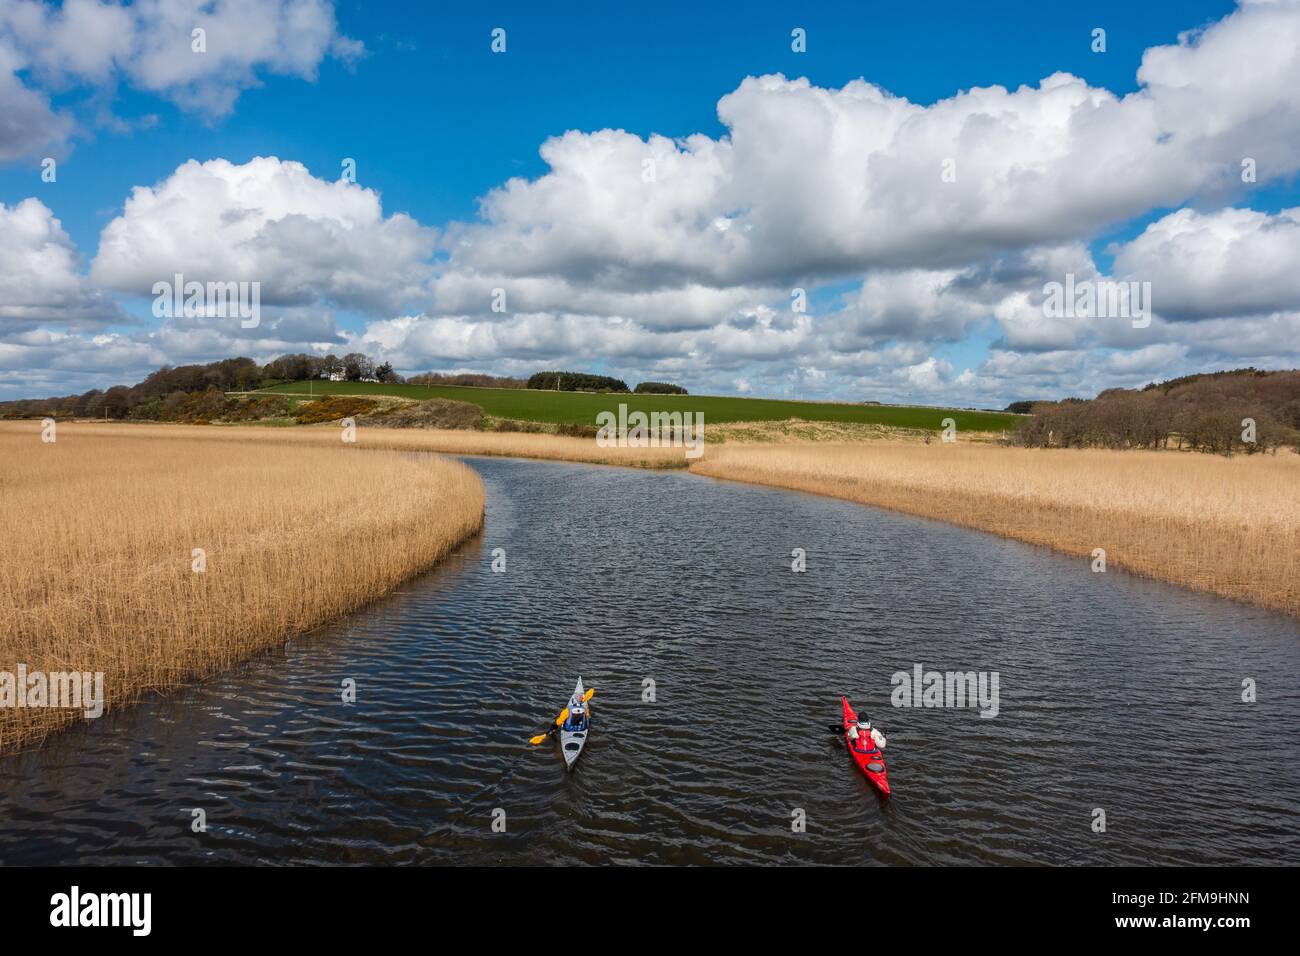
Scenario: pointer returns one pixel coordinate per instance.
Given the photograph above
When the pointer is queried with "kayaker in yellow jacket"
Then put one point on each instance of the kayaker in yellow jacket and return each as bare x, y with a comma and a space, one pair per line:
577, 720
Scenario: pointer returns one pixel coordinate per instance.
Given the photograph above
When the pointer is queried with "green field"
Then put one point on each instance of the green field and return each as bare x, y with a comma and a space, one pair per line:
582, 407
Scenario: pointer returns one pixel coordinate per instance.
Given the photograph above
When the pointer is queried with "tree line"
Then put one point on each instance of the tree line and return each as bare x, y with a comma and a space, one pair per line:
354, 367
169, 394
557, 381
1242, 410
576, 382
198, 392
471, 379
660, 388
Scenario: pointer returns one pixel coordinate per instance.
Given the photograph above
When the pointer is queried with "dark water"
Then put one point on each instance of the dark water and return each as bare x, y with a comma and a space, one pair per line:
1115, 693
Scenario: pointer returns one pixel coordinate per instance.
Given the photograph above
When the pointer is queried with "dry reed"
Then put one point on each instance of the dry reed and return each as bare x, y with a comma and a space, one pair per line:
447, 441
1229, 526
96, 558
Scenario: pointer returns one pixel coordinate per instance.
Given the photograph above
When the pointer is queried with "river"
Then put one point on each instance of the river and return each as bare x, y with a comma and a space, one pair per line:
1116, 694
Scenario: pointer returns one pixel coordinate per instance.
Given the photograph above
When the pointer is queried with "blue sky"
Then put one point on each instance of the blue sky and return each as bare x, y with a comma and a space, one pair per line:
435, 121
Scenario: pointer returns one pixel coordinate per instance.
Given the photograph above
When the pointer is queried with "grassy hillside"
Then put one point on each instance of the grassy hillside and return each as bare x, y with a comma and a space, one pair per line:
582, 407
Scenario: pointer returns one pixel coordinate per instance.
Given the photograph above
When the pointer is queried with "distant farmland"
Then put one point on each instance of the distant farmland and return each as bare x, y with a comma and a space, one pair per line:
582, 407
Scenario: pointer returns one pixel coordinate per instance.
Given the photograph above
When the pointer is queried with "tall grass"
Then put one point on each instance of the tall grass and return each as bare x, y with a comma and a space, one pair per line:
96, 556
449, 441
1227, 526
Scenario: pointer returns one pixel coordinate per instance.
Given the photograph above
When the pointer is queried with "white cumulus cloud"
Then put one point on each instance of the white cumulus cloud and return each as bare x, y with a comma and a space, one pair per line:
304, 239
1224, 263
40, 277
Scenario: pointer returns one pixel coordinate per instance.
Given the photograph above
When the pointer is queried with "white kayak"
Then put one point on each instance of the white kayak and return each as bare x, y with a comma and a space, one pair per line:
573, 732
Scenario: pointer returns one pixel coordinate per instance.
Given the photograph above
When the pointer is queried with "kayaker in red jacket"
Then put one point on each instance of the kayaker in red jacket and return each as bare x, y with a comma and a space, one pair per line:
864, 736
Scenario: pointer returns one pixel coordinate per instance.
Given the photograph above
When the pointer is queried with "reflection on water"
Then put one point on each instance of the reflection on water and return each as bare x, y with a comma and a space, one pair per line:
1115, 693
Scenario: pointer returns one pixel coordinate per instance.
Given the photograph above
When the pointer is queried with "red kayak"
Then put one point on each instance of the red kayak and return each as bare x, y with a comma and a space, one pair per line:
870, 760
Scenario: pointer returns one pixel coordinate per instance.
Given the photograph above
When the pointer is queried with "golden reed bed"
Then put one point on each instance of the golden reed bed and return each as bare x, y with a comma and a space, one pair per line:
97, 552
447, 441
1229, 526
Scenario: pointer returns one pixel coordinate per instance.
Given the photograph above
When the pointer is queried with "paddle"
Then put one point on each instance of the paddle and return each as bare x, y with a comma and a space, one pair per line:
564, 715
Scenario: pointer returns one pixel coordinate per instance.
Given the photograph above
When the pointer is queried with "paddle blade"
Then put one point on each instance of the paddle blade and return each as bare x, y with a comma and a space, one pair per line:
538, 739
587, 696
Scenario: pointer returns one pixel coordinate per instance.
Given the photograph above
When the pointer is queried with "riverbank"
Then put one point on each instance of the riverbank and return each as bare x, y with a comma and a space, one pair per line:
159, 562
444, 441
1228, 526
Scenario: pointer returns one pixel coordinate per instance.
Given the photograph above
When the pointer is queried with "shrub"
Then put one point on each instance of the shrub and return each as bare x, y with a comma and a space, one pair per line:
270, 406
660, 388
577, 430
434, 413
332, 409
512, 425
